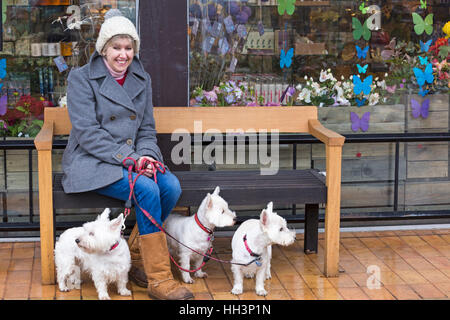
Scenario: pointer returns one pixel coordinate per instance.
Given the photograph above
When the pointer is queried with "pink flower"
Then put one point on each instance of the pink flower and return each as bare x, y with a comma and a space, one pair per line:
210, 96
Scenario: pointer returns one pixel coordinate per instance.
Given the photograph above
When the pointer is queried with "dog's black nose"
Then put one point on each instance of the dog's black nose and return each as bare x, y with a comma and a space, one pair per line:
77, 240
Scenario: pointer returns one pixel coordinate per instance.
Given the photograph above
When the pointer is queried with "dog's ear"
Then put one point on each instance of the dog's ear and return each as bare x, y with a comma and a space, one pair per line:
216, 190
117, 222
209, 203
270, 206
264, 218
105, 214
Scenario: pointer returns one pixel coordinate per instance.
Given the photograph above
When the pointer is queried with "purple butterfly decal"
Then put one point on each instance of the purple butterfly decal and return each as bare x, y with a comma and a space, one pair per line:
360, 123
3, 104
420, 109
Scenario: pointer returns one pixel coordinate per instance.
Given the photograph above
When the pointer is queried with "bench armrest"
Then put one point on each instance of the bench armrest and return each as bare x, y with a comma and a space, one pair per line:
327, 136
44, 139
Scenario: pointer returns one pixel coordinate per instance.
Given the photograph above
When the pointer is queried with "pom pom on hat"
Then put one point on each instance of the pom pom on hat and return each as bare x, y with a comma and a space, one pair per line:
115, 24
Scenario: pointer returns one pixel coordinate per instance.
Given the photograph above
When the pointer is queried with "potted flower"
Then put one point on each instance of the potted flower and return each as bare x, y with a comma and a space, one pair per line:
25, 117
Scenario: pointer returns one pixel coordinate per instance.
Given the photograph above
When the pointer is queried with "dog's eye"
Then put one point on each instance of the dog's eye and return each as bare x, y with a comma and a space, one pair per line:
281, 229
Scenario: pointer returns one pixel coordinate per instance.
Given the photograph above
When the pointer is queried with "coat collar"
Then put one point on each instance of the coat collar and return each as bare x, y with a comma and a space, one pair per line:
133, 86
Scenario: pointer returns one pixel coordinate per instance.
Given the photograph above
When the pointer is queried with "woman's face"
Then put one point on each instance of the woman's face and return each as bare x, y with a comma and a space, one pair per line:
119, 54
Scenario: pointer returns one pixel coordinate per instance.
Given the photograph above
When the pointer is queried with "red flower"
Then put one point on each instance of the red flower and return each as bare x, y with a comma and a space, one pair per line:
439, 42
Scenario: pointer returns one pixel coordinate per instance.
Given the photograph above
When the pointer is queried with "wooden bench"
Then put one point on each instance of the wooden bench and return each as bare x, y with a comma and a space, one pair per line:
237, 187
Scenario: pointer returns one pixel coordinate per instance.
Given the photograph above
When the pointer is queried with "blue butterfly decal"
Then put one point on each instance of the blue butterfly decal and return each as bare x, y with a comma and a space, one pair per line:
286, 58
424, 76
362, 69
361, 53
423, 60
362, 86
422, 92
361, 102
2, 68
424, 47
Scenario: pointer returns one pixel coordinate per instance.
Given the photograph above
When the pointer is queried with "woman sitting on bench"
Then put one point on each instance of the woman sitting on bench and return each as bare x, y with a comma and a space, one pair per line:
110, 106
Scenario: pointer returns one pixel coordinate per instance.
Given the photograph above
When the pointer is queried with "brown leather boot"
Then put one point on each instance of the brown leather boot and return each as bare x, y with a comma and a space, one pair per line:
155, 255
137, 272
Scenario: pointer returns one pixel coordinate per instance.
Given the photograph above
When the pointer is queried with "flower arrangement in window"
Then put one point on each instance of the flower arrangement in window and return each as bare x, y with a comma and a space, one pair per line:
329, 91
25, 117
228, 93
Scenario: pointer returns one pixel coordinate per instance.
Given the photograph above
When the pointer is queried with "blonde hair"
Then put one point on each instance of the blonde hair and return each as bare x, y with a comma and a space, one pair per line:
119, 36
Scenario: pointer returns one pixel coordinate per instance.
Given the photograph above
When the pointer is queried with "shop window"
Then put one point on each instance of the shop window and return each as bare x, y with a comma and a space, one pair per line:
271, 52
42, 41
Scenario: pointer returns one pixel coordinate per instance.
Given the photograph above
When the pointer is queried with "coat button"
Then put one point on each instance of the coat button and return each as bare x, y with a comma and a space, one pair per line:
112, 118
129, 142
133, 117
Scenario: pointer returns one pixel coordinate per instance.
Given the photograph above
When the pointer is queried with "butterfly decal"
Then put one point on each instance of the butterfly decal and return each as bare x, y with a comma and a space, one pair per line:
362, 86
423, 4
421, 25
424, 76
362, 69
286, 5
424, 47
422, 92
363, 8
423, 60
3, 104
391, 89
361, 102
286, 58
360, 30
360, 123
2, 68
361, 53
420, 109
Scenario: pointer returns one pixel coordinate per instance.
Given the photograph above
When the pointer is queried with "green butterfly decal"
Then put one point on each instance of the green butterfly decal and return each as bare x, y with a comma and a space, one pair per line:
286, 5
360, 30
363, 8
423, 4
421, 25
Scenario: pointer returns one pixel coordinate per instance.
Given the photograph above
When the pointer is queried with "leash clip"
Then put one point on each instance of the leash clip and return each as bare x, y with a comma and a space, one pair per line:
258, 261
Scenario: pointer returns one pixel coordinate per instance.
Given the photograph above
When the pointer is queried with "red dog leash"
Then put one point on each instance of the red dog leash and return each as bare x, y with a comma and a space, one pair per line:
156, 166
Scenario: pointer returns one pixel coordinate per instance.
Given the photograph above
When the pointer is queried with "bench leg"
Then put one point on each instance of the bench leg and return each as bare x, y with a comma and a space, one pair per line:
47, 231
333, 210
311, 228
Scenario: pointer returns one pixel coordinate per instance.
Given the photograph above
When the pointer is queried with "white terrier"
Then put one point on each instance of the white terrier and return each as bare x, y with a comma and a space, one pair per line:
196, 232
97, 248
253, 241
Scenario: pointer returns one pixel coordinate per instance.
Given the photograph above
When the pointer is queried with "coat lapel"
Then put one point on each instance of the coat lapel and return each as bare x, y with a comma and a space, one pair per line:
133, 86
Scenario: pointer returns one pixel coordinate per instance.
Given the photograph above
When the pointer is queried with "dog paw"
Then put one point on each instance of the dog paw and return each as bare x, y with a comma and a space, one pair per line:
201, 274
103, 296
125, 292
188, 280
249, 275
261, 292
236, 290
268, 276
63, 289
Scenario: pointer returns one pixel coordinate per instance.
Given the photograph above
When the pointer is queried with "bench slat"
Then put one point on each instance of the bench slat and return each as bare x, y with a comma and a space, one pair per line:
237, 187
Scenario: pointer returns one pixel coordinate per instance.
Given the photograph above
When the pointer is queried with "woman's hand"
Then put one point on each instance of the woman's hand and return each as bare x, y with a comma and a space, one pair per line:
148, 170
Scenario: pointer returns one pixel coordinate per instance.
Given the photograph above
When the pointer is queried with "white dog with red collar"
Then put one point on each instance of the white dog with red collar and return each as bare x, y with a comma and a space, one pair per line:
253, 241
196, 233
97, 248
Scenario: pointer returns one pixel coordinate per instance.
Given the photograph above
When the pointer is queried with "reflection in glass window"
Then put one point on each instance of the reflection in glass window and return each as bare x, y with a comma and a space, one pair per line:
324, 53
42, 41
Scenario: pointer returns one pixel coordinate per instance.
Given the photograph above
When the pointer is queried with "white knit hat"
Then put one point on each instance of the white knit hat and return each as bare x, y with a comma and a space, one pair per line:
115, 24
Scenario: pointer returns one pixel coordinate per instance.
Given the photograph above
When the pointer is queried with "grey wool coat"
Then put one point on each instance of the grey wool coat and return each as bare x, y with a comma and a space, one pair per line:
110, 122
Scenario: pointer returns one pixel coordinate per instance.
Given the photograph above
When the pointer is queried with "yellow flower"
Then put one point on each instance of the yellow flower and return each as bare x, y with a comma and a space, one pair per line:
446, 29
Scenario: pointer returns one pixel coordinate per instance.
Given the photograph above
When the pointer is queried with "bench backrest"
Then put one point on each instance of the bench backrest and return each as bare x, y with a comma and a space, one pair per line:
169, 119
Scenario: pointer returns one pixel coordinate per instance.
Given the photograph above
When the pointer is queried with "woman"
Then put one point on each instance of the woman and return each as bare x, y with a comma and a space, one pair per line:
110, 107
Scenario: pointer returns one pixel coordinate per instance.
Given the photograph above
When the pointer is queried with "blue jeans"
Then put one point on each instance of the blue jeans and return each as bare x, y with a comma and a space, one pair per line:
156, 198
